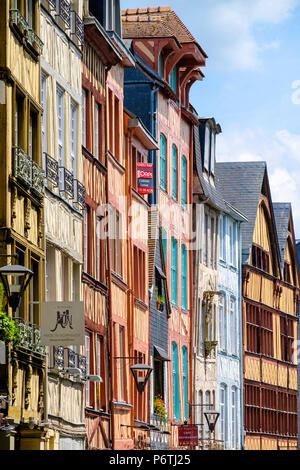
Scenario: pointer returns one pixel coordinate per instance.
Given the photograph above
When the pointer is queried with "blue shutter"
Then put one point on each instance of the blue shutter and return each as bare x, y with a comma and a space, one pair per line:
176, 396
164, 242
160, 65
163, 180
174, 172
183, 277
185, 381
174, 271
173, 79
183, 182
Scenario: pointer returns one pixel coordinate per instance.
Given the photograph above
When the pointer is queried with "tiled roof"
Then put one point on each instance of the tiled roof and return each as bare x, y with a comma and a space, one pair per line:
282, 212
241, 185
154, 22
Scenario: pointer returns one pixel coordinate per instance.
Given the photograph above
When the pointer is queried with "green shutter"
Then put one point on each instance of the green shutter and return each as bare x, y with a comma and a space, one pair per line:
163, 180
183, 181
185, 381
174, 271
160, 65
164, 242
176, 396
173, 79
183, 277
174, 172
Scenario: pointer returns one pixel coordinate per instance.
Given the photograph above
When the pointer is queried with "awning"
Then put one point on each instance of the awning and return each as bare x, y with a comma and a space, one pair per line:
159, 353
160, 272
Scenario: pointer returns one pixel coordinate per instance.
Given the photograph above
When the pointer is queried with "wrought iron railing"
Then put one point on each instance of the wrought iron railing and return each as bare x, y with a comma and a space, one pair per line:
82, 363
211, 444
77, 27
66, 182
38, 179
62, 358
34, 40
18, 19
159, 436
79, 194
30, 336
52, 4
64, 11
22, 165
51, 169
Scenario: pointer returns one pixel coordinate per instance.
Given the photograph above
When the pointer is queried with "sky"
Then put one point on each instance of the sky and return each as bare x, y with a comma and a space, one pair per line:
252, 82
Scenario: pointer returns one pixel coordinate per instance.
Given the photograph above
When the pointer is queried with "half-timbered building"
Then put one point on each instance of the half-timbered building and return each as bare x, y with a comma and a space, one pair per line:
269, 308
22, 376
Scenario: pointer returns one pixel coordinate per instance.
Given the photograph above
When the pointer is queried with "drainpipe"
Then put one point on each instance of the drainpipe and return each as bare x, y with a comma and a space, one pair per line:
241, 339
153, 199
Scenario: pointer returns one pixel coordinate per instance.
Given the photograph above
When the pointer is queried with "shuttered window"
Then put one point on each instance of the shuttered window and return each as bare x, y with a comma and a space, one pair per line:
164, 243
184, 277
185, 381
163, 162
183, 181
173, 79
176, 395
174, 271
174, 172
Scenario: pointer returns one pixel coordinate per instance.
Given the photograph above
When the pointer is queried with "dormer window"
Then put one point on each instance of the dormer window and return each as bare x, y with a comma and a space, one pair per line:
108, 13
207, 148
212, 151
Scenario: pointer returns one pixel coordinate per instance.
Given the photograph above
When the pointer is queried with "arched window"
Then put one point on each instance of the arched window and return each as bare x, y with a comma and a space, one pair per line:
163, 162
184, 277
183, 181
234, 418
174, 172
174, 271
185, 381
176, 396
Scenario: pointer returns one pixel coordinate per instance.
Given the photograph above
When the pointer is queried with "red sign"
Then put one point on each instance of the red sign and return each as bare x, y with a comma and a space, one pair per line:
144, 178
188, 435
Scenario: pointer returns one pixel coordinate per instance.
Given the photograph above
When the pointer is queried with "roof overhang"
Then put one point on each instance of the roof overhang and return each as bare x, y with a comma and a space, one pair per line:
96, 36
142, 134
127, 57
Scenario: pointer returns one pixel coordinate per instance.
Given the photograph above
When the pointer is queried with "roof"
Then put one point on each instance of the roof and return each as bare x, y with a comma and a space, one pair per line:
282, 212
241, 184
155, 22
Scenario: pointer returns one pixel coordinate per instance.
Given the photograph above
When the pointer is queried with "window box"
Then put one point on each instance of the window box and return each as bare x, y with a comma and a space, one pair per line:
18, 21
51, 169
34, 40
160, 409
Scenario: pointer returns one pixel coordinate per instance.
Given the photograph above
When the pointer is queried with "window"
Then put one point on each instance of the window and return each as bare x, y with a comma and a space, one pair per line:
139, 272
222, 324
259, 324
184, 277
173, 78
34, 295
174, 172
233, 326
115, 241
44, 118
158, 374
160, 65
163, 162
209, 402
260, 258
234, 418
164, 243
185, 381
100, 251
85, 238
212, 242
88, 355
61, 124
183, 181
84, 117
30, 13
205, 233
223, 238
19, 118
200, 414
122, 368
232, 243
74, 138
223, 413
287, 272
174, 271
206, 148
286, 338
212, 151
176, 396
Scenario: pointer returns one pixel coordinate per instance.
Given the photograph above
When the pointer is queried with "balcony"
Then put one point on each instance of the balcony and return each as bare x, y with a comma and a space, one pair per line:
34, 40
159, 437
31, 337
62, 358
77, 28
79, 194
22, 29
18, 20
51, 170
28, 171
66, 182
64, 12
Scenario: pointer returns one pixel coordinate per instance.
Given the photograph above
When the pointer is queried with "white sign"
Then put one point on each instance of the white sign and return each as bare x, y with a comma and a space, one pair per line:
62, 323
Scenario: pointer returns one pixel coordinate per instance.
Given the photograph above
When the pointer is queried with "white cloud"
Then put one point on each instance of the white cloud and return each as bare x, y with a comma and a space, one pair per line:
228, 26
281, 151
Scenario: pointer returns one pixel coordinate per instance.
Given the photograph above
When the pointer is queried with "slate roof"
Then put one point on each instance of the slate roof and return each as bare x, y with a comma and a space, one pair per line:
241, 184
282, 212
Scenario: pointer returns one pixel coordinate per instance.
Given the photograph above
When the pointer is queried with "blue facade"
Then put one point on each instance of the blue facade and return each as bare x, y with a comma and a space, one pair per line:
229, 368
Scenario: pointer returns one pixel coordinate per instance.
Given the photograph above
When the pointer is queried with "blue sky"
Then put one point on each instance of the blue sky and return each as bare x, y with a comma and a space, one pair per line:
252, 82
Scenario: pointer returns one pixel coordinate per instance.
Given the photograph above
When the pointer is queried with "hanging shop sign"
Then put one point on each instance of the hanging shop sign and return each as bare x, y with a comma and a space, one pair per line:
145, 178
62, 323
188, 435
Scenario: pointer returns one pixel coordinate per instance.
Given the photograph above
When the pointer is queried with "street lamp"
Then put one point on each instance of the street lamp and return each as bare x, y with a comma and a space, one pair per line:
141, 380
211, 418
15, 291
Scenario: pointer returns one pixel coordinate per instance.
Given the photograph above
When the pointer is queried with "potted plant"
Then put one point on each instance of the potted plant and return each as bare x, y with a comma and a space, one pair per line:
160, 408
9, 331
160, 300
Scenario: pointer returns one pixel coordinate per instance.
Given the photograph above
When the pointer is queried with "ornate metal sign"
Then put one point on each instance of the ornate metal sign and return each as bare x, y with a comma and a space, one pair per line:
62, 323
